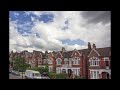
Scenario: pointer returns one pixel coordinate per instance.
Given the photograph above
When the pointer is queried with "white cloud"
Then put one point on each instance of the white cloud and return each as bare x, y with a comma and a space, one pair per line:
51, 33
16, 14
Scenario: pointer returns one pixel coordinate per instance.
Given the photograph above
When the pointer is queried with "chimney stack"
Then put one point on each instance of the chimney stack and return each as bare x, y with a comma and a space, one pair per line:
63, 49
89, 46
94, 46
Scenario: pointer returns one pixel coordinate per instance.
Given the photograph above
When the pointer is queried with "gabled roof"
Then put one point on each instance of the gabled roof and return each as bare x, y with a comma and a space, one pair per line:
67, 54
104, 51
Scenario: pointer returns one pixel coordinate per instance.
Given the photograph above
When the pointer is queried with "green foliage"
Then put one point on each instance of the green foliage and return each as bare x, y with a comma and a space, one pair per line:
20, 64
52, 75
78, 77
57, 76
60, 76
40, 69
34, 68
46, 68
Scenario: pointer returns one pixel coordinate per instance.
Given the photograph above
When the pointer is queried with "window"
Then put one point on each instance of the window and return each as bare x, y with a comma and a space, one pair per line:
107, 63
94, 61
50, 69
97, 74
91, 74
50, 61
78, 61
94, 74
78, 72
59, 61
75, 61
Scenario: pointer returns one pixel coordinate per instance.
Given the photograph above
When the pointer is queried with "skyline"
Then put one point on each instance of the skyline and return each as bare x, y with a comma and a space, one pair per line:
52, 30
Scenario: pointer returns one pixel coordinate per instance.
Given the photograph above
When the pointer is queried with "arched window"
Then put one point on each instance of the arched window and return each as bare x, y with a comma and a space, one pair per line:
59, 61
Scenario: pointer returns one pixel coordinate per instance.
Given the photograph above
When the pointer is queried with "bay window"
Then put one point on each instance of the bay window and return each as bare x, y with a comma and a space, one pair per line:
94, 74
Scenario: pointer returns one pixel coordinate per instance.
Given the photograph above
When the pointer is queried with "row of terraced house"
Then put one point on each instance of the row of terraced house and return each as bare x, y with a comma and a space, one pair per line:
90, 63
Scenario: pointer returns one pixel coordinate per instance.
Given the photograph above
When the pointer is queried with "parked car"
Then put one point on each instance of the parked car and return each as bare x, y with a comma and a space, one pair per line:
15, 72
45, 75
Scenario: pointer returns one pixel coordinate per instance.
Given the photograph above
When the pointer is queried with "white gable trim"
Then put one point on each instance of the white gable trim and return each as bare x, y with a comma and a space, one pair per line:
60, 54
95, 51
52, 54
77, 51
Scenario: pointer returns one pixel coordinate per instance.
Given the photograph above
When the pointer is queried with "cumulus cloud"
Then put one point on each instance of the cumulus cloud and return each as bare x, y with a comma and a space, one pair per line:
86, 26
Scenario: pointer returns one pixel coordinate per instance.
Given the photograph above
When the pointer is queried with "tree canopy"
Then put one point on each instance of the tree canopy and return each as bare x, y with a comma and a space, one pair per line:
19, 64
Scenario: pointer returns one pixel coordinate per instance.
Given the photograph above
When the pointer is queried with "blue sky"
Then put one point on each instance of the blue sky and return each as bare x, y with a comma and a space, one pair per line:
52, 30
72, 42
22, 19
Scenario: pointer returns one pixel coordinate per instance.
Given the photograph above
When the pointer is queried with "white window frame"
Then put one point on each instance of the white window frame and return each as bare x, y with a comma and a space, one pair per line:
106, 58
50, 61
94, 74
92, 62
76, 61
50, 68
57, 61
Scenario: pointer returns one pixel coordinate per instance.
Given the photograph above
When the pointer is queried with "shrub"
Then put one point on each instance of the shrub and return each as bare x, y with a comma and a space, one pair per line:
78, 77
60, 76
54, 75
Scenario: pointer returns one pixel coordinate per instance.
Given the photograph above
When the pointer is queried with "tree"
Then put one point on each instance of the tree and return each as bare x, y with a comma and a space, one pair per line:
40, 69
20, 64
46, 68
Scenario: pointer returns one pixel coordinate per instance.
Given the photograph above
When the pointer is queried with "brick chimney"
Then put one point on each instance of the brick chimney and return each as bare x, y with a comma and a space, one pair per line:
89, 46
94, 46
63, 49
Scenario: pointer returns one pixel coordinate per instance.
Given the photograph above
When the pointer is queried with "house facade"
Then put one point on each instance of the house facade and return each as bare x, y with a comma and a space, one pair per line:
99, 65
90, 63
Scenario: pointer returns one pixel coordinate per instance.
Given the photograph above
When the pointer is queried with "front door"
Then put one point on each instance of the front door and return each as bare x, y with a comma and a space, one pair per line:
63, 71
104, 75
107, 75
69, 72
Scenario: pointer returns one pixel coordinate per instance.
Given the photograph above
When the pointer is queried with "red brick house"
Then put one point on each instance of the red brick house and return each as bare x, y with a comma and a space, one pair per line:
51, 62
99, 63
91, 63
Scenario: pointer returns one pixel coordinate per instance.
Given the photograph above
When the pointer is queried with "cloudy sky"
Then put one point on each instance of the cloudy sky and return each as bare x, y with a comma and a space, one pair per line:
52, 30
